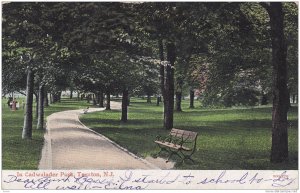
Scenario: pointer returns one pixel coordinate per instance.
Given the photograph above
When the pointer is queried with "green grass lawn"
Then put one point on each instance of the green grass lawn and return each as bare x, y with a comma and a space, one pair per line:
25, 154
228, 138
233, 138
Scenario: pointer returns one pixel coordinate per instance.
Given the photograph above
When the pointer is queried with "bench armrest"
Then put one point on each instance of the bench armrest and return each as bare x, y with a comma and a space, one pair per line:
158, 138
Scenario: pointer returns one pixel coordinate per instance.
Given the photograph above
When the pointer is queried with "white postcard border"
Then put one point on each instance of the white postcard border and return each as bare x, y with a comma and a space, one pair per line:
150, 179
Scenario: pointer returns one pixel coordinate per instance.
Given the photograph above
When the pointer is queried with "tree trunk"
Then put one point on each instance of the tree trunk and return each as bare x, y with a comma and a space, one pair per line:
124, 105
128, 100
97, 97
46, 101
94, 100
157, 101
101, 99
56, 97
27, 128
71, 94
289, 102
279, 150
148, 98
294, 98
59, 96
178, 101
192, 96
88, 98
162, 79
40, 123
264, 99
37, 105
169, 86
108, 100
78, 95
51, 98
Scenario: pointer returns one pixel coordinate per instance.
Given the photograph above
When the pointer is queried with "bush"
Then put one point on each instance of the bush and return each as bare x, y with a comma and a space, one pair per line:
232, 97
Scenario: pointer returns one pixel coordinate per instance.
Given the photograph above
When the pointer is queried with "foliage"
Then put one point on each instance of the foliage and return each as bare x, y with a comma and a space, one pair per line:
91, 44
241, 47
221, 49
291, 33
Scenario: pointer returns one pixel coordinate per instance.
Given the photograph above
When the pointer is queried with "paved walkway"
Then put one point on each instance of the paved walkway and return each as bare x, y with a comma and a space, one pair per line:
71, 145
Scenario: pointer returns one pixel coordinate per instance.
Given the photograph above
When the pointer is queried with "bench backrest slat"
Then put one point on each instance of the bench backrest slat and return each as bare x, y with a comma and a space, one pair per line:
186, 135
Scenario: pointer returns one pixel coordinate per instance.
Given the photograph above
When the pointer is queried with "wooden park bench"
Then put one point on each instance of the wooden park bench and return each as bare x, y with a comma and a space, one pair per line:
178, 142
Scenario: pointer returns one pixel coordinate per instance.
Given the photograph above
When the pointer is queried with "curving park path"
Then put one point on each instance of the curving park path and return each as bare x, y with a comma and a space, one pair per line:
71, 145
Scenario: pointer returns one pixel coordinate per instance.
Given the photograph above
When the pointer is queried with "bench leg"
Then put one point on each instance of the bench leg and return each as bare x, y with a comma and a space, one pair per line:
161, 150
173, 153
185, 157
189, 158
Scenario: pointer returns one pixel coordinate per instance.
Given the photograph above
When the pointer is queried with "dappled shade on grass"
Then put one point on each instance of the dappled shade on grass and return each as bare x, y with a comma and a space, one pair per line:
237, 138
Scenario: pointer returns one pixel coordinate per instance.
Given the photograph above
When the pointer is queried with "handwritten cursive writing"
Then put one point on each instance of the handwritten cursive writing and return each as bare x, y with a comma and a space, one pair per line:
132, 180
245, 178
35, 183
148, 179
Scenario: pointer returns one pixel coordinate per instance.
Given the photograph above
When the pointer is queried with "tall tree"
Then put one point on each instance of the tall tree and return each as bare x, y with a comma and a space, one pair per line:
279, 150
162, 77
124, 105
23, 25
27, 128
107, 100
40, 123
169, 85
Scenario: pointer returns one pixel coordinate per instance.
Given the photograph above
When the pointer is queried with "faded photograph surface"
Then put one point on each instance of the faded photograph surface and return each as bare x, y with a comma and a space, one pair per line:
149, 95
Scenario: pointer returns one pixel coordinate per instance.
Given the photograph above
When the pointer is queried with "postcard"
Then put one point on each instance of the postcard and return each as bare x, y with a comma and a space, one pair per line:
149, 95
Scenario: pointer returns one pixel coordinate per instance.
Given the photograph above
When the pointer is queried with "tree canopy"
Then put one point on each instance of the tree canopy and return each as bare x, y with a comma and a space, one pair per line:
223, 50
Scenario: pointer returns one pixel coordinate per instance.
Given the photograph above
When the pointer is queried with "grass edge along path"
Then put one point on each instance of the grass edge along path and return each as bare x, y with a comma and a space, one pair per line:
235, 138
19, 154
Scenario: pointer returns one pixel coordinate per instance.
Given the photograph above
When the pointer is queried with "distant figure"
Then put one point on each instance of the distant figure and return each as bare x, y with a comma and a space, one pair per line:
86, 110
